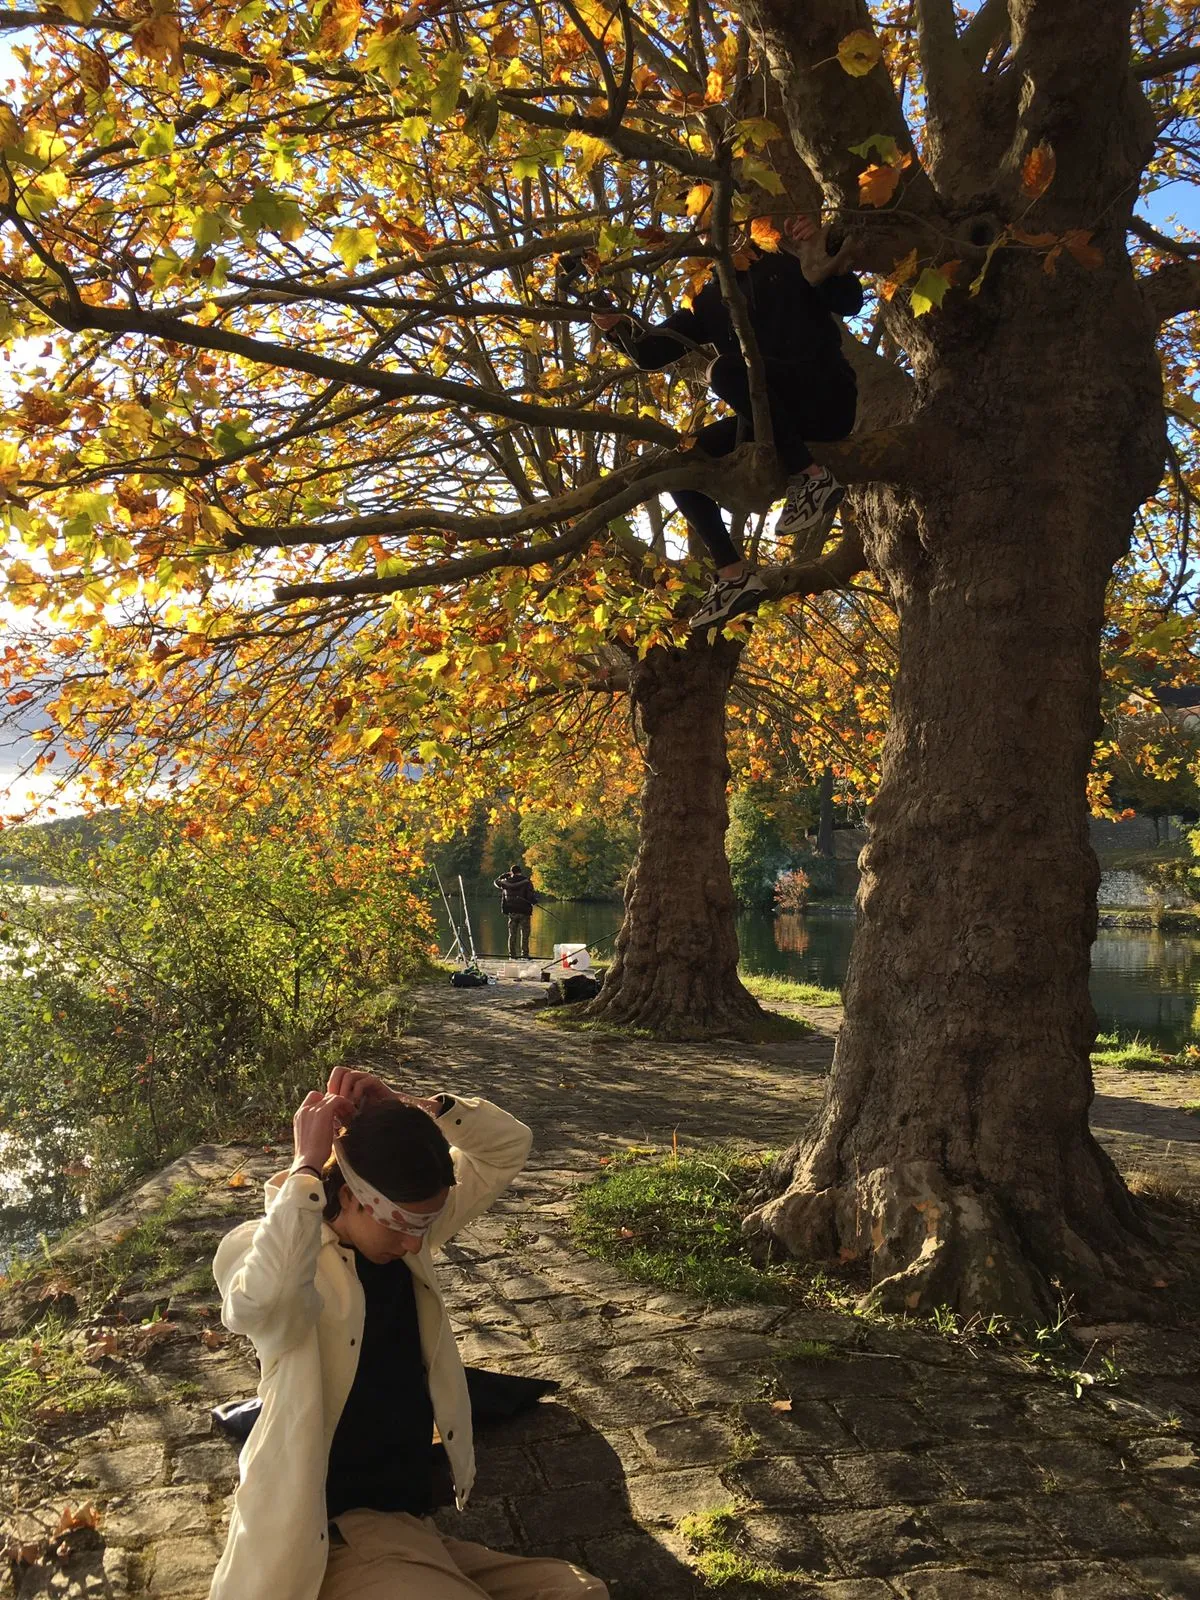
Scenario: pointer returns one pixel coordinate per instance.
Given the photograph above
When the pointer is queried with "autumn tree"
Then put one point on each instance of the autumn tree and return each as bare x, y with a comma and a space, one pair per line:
300, 281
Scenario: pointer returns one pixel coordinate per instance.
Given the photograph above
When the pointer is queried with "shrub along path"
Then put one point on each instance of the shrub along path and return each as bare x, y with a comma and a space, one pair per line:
791, 1450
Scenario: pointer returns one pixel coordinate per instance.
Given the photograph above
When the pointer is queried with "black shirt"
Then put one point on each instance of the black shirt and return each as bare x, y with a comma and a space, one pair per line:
792, 320
381, 1458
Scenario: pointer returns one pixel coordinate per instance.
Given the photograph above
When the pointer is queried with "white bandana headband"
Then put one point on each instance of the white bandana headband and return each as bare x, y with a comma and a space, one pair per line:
391, 1214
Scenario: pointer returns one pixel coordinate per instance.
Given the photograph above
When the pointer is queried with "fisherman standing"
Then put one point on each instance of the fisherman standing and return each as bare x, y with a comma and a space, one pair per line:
517, 900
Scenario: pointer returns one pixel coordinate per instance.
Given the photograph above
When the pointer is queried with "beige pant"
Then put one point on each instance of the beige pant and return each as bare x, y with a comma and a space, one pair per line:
389, 1555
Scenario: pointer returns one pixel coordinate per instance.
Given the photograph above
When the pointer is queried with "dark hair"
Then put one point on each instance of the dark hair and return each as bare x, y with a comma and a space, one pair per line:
396, 1147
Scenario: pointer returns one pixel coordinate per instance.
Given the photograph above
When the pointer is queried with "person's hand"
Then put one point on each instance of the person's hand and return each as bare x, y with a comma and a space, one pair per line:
810, 244
606, 321
313, 1126
358, 1087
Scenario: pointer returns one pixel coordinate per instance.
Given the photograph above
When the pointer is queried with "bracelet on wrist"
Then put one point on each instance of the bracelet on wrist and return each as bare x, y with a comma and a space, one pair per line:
308, 1166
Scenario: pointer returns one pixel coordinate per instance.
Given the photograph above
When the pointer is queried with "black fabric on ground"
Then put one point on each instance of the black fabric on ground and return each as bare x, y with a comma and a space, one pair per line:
495, 1397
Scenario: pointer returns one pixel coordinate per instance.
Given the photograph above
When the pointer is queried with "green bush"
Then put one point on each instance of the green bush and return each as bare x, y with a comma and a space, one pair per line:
585, 858
180, 984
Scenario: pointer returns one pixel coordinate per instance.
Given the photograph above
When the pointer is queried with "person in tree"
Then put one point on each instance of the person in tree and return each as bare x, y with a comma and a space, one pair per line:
517, 900
794, 295
335, 1287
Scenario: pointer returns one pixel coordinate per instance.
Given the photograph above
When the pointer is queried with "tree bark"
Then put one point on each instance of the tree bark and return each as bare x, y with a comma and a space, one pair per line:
675, 966
953, 1150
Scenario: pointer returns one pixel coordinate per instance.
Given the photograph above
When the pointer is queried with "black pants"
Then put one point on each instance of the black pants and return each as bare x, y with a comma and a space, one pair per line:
808, 400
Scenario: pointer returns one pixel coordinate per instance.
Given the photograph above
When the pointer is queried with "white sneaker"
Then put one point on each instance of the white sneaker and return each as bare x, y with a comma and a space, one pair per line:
730, 599
811, 504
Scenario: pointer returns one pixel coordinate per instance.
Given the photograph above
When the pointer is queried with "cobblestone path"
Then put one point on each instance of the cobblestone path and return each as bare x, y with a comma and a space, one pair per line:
857, 1460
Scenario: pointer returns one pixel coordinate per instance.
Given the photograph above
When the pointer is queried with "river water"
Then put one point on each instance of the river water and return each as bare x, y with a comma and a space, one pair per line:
1142, 982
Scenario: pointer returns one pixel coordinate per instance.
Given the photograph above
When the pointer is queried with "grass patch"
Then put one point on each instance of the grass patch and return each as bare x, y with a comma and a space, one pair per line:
711, 1539
776, 1028
1140, 1055
677, 1224
797, 994
45, 1376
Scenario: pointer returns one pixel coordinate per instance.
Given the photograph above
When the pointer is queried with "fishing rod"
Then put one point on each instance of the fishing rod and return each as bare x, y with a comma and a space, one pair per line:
467, 919
457, 944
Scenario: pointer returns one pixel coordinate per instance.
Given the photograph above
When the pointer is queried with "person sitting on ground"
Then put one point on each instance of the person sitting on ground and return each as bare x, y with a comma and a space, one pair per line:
794, 295
517, 900
335, 1287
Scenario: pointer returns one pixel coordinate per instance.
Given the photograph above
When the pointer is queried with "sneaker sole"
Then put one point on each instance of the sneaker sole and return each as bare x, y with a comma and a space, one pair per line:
823, 519
748, 601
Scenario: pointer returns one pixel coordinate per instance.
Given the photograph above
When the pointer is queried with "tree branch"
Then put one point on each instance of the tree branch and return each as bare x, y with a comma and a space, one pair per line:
1166, 65
1160, 241
1172, 290
440, 573
985, 29
393, 385
828, 110
844, 561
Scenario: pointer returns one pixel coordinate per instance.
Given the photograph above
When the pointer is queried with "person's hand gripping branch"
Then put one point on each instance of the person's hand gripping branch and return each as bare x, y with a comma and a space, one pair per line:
810, 240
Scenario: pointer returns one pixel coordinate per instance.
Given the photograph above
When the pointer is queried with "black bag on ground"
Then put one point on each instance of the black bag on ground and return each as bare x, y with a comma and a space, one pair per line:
579, 986
469, 978
495, 1396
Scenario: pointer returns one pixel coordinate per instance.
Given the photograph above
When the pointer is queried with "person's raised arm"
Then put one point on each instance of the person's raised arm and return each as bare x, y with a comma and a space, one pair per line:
267, 1274
658, 346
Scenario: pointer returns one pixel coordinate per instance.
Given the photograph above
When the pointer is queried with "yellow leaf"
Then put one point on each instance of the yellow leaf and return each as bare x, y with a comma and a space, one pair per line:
859, 52
715, 87
900, 274
698, 200
352, 245
590, 150
1037, 173
929, 291
764, 233
10, 128
877, 185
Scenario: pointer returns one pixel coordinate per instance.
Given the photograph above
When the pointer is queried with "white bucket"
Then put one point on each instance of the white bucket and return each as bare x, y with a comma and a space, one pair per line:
572, 958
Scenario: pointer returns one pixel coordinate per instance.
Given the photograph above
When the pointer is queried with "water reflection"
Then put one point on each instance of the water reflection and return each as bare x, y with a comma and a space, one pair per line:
1142, 981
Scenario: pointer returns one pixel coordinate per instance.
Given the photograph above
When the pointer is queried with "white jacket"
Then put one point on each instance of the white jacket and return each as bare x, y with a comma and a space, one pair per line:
289, 1284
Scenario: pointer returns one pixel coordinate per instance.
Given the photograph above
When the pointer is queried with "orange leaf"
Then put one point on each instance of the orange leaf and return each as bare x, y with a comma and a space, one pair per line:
1079, 243
781, 1405
900, 274
239, 1181
715, 87
159, 39
1050, 265
644, 80
764, 233
877, 185
1035, 241
1037, 174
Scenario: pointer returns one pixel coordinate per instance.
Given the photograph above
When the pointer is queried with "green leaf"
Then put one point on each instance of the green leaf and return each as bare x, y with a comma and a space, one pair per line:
208, 228
527, 166
483, 114
160, 141
392, 55
881, 145
929, 291
446, 84
353, 245
765, 177
267, 212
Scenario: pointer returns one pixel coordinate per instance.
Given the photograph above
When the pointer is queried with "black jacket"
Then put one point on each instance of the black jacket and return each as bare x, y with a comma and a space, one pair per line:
792, 320
517, 895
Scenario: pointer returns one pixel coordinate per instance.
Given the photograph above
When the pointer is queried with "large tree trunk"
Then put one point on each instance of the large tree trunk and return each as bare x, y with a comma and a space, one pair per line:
675, 966
953, 1151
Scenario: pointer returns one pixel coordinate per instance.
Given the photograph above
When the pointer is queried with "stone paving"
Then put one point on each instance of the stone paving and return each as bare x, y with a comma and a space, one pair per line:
858, 1460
